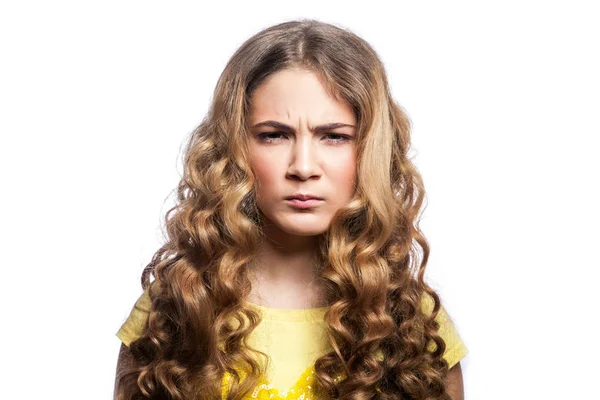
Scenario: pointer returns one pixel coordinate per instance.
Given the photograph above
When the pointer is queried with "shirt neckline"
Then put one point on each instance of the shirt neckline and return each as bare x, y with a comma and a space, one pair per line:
285, 315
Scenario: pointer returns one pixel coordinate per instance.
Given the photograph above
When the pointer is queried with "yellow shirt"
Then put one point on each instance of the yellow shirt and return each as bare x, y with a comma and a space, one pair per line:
293, 339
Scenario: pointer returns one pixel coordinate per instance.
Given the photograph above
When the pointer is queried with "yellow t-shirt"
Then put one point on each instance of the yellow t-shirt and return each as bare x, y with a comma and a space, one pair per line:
293, 339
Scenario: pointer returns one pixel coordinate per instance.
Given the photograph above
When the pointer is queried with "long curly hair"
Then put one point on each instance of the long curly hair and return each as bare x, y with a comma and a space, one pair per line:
371, 260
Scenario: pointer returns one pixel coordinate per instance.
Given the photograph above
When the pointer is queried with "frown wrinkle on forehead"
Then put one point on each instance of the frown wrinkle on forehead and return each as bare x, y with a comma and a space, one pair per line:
287, 128
297, 98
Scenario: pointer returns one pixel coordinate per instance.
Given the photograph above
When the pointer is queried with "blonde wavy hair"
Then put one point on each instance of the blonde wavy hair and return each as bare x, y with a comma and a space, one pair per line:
371, 260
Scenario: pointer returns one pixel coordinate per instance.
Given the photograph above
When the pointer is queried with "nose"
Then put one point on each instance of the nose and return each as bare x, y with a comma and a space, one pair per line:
304, 163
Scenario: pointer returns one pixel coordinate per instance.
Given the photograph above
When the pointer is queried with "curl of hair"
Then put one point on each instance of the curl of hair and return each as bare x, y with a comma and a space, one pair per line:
372, 258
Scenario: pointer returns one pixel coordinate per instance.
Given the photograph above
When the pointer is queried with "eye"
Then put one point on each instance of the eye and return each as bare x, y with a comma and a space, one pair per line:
270, 137
337, 138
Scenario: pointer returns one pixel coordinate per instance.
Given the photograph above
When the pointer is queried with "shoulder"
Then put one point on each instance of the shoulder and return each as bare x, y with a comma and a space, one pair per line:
134, 325
455, 347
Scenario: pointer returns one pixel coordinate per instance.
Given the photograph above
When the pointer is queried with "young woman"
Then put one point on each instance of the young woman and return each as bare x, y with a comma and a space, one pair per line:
294, 263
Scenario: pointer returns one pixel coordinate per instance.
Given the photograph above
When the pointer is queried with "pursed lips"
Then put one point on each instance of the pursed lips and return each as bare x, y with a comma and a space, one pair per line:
303, 197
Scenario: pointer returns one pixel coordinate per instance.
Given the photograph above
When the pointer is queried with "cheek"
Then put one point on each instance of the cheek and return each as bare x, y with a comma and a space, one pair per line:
264, 171
345, 172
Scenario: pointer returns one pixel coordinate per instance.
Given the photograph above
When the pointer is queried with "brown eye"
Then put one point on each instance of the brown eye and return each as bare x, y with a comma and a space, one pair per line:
337, 138
270, 137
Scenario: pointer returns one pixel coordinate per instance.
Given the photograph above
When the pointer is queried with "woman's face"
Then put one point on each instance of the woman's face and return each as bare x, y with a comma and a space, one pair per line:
294, 151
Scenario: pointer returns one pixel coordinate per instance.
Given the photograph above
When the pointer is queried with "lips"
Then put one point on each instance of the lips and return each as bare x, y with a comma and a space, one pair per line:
303, 197
304, 204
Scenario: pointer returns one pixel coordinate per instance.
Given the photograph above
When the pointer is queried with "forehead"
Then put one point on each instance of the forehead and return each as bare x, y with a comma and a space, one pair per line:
297, 94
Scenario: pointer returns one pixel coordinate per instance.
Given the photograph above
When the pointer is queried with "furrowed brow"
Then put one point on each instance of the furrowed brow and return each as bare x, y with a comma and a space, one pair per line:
319, 128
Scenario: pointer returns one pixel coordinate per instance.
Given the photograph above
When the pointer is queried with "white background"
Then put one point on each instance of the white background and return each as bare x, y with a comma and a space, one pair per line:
97, 98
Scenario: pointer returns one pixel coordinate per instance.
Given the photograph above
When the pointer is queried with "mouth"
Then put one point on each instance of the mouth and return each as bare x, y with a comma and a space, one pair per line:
301, 196
299, 203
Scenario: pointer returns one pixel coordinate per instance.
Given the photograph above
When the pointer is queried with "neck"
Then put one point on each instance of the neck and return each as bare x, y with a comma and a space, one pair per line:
285, 257
284, 272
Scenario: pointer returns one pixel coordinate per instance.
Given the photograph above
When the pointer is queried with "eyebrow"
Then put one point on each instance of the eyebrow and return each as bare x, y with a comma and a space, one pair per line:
318, 128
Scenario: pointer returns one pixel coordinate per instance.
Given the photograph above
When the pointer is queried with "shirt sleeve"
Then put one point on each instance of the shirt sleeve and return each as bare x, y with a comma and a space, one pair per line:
455, 347
135, 324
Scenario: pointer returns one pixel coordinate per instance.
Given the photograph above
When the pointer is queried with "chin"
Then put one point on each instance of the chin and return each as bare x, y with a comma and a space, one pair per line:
304, 228
305, 232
